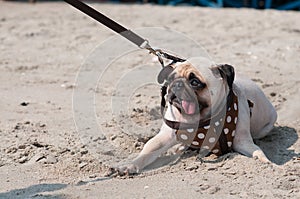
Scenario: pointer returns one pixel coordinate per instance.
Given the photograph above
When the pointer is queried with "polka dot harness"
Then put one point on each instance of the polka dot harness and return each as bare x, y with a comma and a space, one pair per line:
214, 136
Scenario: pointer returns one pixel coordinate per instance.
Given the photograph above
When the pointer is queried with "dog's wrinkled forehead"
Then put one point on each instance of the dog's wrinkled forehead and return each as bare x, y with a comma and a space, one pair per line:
206, 68
184, 69
202, 65
199, 66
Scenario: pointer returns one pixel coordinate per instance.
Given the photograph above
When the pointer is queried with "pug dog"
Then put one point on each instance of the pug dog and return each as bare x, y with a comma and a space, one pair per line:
210, 108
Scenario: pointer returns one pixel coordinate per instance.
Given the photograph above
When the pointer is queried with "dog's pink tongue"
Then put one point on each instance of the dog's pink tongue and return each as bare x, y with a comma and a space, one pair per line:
189, 107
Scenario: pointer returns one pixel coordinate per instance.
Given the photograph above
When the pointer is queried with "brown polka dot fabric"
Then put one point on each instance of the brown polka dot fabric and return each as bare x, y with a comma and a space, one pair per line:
208, 136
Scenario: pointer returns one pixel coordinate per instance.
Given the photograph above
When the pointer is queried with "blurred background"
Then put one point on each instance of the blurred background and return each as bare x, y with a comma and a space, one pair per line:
256, 4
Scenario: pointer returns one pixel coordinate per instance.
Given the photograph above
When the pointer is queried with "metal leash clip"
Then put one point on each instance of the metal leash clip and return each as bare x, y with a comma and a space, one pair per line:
161, 55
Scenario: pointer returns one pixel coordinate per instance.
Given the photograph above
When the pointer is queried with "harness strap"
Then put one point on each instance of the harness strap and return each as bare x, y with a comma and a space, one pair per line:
183, 126
169, 56
163, 92
223, 139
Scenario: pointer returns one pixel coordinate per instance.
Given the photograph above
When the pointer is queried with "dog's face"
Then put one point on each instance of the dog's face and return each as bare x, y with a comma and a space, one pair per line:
197, 91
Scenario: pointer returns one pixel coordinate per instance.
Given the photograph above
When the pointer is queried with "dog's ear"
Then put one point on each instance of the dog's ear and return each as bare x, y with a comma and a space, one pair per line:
226, 71
164, 73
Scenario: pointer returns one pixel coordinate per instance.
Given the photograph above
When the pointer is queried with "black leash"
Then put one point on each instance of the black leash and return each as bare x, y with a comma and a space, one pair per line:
128, 34
134, 38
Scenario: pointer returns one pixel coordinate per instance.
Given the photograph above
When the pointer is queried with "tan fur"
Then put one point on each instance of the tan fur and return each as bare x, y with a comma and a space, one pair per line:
204, 96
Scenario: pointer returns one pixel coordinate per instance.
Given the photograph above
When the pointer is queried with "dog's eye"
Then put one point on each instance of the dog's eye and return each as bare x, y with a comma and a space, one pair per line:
195, 82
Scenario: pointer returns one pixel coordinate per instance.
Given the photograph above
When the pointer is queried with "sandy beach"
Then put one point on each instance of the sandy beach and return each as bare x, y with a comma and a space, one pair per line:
49, 146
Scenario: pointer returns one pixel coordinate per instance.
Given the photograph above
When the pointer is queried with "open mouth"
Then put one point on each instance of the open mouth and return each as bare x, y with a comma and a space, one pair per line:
184, 106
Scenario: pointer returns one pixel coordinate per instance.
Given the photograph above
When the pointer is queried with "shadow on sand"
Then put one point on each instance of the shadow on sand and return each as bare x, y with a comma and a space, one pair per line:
276, 145
35, 191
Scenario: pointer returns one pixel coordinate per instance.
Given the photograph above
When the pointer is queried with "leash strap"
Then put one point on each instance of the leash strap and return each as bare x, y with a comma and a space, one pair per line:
128, 34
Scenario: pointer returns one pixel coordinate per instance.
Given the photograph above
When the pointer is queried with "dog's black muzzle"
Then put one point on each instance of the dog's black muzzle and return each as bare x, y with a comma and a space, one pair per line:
183, 97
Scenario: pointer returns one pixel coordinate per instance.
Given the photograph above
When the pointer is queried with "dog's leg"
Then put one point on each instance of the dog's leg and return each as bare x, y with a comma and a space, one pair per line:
266, 129
243, 143
159, 144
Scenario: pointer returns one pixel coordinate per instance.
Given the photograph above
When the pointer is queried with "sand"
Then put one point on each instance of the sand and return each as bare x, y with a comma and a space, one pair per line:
46, 151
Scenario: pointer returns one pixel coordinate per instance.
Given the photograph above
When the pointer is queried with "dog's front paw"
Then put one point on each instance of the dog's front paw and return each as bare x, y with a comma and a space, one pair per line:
259, 154
130, 169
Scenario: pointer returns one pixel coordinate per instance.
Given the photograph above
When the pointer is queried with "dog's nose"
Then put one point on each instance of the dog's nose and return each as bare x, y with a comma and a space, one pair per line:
178, 85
